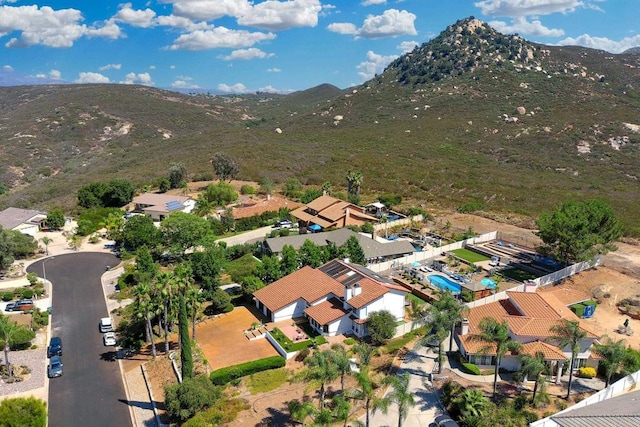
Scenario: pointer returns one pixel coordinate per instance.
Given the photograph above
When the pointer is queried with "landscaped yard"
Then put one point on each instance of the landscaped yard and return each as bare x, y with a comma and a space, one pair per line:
518, 274
469, 256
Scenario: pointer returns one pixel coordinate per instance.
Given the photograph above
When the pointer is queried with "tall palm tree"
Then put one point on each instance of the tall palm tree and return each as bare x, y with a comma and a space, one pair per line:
341, 361
366, 392
614, 356
194, 300
165, 290
400, 395
143, 307
8, 328
320, 371
533, 367
354, 182
568, 333
365, 352
496, 337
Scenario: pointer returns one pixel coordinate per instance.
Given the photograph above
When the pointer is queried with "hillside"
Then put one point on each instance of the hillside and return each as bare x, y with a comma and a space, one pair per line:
473, 119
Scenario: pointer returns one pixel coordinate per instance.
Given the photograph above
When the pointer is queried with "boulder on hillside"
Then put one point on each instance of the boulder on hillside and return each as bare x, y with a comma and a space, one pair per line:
521, 110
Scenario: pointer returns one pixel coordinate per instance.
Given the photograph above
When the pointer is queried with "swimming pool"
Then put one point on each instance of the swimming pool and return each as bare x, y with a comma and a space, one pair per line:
489, 283
444, 283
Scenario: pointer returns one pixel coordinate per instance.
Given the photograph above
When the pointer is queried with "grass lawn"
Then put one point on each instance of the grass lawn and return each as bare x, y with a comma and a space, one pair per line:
469, 256
518, 274
419, 301
262, 382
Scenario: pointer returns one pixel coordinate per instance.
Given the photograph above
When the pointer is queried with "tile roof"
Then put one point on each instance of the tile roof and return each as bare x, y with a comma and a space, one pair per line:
326, 312
550, 352
306, 283
619, 411
257, 207
565, 295
153, 199
330, 212
10, 218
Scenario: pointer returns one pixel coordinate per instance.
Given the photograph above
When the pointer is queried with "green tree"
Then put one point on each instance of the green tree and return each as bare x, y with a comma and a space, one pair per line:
310, 195
472, 404
143, 306
203, 206
495, 336
269, 269
23, 245
164, 185
577, 231
118, 193
177, 175
400, 395
227, 220
181, 231
139, 231
568, 333
250, 284
13, 335
366, 392
23, 412
266, 186
221, 301
91, 195
354, 251
390, 200
55, 219
320, 370
438, 326
46, 241
289, 260
221, 194
354, 182
310, 254
533, 367
186, 357
145, 266
247, 189
184, 400
114, 223
382, 326
365, 352
165, 289
194, 298
292, 187
207, 266
224, 167
341, 360
614, 357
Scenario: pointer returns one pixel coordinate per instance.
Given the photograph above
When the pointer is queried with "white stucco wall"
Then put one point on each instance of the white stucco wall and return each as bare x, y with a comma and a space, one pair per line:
340, 326
295, 309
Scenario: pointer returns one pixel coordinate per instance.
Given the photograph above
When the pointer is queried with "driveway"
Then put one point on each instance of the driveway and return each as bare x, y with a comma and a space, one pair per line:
245, 237
91, 391
419, 363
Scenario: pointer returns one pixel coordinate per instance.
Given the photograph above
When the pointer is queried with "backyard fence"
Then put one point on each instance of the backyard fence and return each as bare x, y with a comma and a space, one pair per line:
556, 276
430, 253
621, 386
404, 329
397, 223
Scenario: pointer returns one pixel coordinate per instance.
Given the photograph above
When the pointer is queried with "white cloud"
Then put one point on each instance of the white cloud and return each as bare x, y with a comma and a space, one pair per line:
152, 67
391, 23
55, 75
140, 78
236, 88
49, 27
603, 43
513, 8
181, 22
343, 28
7, 67
372, 2
137, 18
218, 37
522, 26
110, 67
184, 82
273, 70
276, 15
373, 65
246, 54
91, 78
172, 67
408, 46
208, 10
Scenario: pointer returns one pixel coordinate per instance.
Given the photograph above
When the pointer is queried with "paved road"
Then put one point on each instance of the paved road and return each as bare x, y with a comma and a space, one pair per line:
91, 391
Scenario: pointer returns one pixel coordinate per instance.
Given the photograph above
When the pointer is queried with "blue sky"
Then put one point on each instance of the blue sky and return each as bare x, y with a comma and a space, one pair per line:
271, 45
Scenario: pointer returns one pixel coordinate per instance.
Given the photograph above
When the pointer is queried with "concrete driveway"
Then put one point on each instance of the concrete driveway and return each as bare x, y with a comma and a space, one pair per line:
245, 237
419, 363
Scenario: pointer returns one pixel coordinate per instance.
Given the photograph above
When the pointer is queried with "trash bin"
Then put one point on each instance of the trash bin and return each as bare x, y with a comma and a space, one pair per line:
50, 310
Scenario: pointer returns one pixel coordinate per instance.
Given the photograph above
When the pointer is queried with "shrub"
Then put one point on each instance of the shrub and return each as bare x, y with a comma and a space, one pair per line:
587, 372
23, 411
225, 375
302, 354
382, 326
578, 309
349, 341
247, 189
27, 293
469, 368
184, 400
7, 296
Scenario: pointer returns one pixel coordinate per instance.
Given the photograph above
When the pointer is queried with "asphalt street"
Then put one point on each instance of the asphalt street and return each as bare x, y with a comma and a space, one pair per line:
90, 392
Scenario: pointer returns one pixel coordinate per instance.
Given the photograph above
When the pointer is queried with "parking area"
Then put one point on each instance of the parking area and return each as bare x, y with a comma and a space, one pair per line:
224, 344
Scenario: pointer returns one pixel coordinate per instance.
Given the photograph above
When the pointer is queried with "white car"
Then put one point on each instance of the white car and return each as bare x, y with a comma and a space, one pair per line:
109, 339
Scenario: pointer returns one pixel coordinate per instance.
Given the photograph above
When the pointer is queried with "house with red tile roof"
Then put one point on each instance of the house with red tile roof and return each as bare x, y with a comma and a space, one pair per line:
530, 317
336, 298
254, 207
329, 212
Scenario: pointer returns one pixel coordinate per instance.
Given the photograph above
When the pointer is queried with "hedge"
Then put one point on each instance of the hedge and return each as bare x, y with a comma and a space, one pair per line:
578, 309
469, 368
230, 373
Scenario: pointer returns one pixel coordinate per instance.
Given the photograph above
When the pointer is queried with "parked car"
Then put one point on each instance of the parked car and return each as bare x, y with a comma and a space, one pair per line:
445, 421
55, 367
105, 325
21, 305
109, 339
55, 347
283, 223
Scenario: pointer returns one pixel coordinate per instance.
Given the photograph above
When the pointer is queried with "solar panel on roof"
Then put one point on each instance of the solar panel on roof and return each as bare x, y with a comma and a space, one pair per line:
174, 205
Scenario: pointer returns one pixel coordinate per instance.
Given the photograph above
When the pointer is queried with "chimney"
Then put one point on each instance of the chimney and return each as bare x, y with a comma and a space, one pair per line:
464, 330
348, 293
346, 217
357, 289
530, 286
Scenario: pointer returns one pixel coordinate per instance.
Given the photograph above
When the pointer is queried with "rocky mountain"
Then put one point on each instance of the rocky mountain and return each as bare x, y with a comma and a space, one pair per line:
473, 119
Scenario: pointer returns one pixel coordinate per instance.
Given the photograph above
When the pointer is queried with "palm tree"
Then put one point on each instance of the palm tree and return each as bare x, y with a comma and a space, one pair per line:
400, 395
354, 182
143, 307
439, 323
366, 392
165, 290
568, 333
320, 371
533, 366
8, 328
496, 337
194, 301
365, 352
614, 357
341, 360
472, 403
46, 241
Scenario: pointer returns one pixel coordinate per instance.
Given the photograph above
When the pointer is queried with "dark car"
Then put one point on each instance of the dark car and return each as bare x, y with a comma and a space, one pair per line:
10, 307
22, 305
445, 421
55, 367
55, 347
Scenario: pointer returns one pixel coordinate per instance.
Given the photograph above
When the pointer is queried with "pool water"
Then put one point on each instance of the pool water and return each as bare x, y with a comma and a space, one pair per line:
489, 283
444, 283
